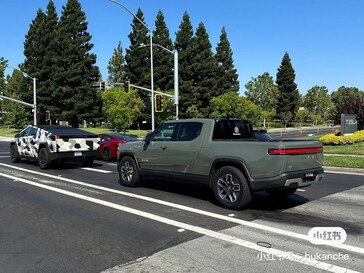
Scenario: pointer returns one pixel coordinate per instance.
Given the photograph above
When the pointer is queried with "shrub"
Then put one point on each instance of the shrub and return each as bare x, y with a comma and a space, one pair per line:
335, 139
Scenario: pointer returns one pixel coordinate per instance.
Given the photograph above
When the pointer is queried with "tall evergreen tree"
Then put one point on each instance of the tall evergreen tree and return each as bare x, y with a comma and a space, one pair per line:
137, 57
34, 52
203, 69
163, 61
288, 96
227, 76
75, 71
183, 43
116, 67
39, 59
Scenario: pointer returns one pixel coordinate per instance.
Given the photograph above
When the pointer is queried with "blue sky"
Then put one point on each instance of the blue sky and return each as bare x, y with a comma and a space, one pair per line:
324, 38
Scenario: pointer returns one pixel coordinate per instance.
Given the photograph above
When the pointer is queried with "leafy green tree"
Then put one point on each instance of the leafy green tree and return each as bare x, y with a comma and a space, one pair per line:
3, 66
163, 61
183, 43
203, 70
288, 96
349, 100
231, 104
137, 57
122, 108
17, 115
75, 70
304, 114
263, 92
318, 101
116, 67
227, 76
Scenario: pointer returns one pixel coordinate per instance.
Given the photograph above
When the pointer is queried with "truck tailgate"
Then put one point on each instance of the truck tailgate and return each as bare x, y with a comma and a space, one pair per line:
300, 155
77, 144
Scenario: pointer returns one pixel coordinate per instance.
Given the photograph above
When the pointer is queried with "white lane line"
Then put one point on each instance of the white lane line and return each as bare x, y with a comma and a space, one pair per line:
96, 170
197, 211
207, 232
301, 190
3, 156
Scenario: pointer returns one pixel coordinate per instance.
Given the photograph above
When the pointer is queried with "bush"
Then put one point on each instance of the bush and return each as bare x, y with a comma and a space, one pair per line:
336, 139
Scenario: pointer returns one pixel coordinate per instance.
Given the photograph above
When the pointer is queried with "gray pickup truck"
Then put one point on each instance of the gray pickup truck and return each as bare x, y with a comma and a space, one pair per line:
224, 154
47, 144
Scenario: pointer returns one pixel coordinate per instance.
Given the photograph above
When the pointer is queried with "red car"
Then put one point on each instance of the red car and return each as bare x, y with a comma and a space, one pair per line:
109, 144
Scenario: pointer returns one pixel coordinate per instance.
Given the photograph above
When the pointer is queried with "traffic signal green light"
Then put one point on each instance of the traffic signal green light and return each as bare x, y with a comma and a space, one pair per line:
158, 103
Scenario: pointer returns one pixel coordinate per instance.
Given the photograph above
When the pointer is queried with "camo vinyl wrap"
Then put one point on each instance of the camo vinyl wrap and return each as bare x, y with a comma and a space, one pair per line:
29, 145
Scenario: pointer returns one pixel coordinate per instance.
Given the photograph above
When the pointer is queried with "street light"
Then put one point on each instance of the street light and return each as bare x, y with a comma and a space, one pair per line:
176, 89
34, 95
151, 57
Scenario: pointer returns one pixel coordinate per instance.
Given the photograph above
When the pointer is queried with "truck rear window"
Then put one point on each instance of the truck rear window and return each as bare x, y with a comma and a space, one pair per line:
232, 130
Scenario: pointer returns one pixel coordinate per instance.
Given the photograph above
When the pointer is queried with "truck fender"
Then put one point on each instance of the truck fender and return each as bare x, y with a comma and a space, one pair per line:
218, 163
132, 155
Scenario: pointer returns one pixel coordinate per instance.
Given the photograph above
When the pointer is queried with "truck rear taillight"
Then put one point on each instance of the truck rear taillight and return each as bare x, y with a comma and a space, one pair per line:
58, 137
295, 151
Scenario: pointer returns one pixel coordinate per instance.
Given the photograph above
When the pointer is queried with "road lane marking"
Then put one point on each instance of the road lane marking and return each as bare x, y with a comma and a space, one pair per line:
3, 156
194, 210
203, 231
96, 170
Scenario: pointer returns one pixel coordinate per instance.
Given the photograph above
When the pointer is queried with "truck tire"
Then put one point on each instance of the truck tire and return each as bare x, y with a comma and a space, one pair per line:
14, 154
128, 172
230, 188
44, 160
283, 193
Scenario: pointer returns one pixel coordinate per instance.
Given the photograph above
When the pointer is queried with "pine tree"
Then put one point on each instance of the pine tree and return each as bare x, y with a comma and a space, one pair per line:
226, 73
116, 67
183, 43
203, 70
34, 52
163, 61
75, 71
137, 57
288, 95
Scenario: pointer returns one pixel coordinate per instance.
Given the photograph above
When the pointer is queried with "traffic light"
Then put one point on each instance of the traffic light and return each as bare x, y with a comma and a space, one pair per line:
102, 86
127, 86
48, 115
158, 103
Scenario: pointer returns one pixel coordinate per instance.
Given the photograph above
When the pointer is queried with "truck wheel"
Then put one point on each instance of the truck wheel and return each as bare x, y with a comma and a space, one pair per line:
44, 160
231, 190
14, 154
283, 193
128, 172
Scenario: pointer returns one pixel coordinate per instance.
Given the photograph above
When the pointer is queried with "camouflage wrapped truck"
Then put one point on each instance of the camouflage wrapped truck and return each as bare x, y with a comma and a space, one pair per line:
48, 144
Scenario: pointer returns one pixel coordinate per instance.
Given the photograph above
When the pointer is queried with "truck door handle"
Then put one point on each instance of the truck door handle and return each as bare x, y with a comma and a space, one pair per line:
164, 147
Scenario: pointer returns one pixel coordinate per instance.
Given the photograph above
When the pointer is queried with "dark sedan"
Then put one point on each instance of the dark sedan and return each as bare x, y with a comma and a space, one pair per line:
109, 144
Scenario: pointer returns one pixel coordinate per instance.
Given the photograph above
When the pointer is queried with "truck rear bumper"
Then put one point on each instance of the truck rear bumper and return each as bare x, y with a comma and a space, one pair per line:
74, 155
297, 179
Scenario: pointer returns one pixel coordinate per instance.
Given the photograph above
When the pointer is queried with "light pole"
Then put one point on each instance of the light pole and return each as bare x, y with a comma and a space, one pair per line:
151, 57
176, 88
34, 95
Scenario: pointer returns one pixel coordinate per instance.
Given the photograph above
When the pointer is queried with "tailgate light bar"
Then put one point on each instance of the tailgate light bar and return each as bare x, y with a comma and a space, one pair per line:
295, 151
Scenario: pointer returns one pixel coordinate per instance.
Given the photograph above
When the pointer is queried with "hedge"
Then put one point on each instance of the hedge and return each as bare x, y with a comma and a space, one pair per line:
336, 139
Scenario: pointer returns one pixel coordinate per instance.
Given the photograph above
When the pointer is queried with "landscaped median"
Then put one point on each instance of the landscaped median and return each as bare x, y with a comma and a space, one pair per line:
344, 151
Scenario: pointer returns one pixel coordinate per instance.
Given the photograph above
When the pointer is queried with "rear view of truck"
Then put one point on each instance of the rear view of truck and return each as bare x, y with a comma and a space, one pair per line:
48, 144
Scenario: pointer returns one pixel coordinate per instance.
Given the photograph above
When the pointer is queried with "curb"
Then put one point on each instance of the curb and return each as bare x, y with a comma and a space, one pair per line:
344, 170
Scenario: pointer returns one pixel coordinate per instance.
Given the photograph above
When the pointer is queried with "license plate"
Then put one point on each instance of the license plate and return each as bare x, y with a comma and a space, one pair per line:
78, 153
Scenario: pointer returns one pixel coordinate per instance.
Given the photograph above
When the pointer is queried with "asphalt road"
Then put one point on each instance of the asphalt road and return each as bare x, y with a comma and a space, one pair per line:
74, 219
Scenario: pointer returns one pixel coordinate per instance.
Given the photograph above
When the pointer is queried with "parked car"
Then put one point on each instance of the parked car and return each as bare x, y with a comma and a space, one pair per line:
261, 134
47, 144
109, 144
